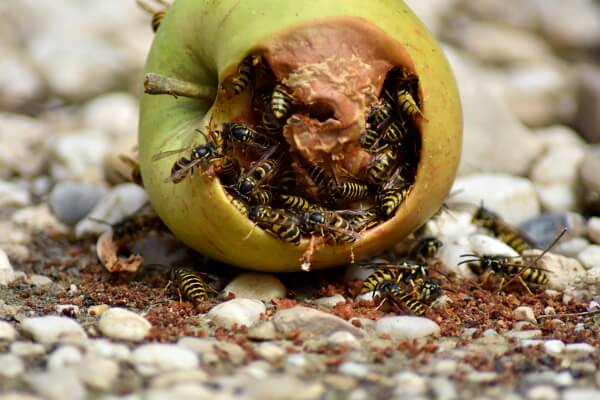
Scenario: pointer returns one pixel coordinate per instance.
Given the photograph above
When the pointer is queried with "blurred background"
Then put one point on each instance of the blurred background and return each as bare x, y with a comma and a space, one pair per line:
528, 72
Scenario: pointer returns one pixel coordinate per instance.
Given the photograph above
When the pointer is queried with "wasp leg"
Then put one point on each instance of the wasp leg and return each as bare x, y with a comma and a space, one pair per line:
180, 296
525, 284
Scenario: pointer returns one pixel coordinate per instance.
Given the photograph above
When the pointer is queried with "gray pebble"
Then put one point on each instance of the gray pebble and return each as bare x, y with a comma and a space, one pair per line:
544, 228
71, 201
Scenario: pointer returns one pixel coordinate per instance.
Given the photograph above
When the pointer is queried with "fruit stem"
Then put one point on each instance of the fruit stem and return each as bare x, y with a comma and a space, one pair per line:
160, 84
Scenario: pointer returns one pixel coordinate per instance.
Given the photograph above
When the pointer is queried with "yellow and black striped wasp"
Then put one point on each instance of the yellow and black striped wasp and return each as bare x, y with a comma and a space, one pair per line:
329, 225
405, 272
511, 268
201, 156
426, 249
252, 185
493, 223
277, 222
244, 135
392, 193
157, 13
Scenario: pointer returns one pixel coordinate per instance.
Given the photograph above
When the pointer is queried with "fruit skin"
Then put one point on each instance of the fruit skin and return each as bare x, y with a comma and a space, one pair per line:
202, 41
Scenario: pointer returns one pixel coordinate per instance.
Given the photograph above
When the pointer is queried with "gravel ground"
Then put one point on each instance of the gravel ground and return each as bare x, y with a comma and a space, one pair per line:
528, 73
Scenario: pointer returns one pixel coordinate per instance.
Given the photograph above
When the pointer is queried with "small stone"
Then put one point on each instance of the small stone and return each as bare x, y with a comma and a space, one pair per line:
407, 327
285, 387
71, 201
590, 257
7, 331
571, 247
122, 201
237, 311
254, 285
554, 346
96, 311
270, 352
262, 331
542, 392
296, 363
575, 25
104, 348
483, 244
544, 228
57, 384
13, 195
179, 377
556, 197
113, 113
354, 369
27, 349
478, 377
445, 367
38, 219
309, 322
331, 301
21, 84
150, 359
78, 156
580, 348
587, 118
31, 146
343, 338
234, 352
524, 313
122, 324
12, 366
562, 271
186, 391
64, 356
523, 326
563, 379
559, 165
7, 273
534, 333
257, 369
581, 393
38, 280
410, 384
514, 199
51, 329
593, 229
98, 373
443, 388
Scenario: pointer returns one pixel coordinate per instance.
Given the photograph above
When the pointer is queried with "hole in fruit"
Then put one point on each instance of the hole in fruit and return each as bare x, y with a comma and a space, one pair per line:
321, 112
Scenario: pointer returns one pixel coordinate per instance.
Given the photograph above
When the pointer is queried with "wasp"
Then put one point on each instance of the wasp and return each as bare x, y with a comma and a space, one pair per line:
270, 123
380, 113
405, 272
426, 249
395, 131
393, 192
428, 290
281, 101
399, 298
202, 155
382, 166
296, 203
329, 225
237, 203
190, 284
319, 176
286, 179
491, 221
277, 222
230, 171
244, 75
243, 134
135, 174
157, 15
366, 220
349, 190
407, 103
261, 172
370, 138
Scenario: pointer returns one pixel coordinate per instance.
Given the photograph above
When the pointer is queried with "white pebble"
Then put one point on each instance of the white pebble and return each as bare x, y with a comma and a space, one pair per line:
270, 351
27, 155
12, 195
524, 313
57, 384
296, 362
554, 346
150, 359
483, 244
353, 369
64, 356
410, 384
7, 331
38, 218
237, 311
38, 280
593, 229
557, 197
254, 285
406, 327
78, 156
52, 329
580, 348
113, 113
12, 366
105, 348
571, 247
343, 338
7, 273
123, 200
330, 301
122, 324
590, 257
27, 349
98, 373
542, 392
564, 379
